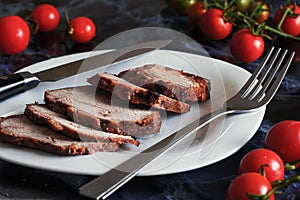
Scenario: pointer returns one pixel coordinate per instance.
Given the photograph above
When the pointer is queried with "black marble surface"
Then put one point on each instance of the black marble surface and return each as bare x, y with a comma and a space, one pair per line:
111, 17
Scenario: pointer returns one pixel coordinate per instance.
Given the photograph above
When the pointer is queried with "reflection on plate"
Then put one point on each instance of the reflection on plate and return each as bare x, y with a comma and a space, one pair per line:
215, 142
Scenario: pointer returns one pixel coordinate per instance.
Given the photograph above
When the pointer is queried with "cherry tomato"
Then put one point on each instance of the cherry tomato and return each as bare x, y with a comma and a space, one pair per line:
46, 17
284, 139
262, 12
248, 183
270, 161
181, 6
213, 24
82, 29
245, 46
195, 12
14, 35
242, 5
291, 24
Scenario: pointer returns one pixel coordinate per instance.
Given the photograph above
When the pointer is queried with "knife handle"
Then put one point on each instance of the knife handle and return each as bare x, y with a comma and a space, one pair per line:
17, 83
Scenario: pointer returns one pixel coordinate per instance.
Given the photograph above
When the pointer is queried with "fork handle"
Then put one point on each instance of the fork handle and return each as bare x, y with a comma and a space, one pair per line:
106, 184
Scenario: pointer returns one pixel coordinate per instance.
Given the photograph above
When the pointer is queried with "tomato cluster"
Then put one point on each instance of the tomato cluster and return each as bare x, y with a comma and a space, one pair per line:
15, 31
217, 18
261, 171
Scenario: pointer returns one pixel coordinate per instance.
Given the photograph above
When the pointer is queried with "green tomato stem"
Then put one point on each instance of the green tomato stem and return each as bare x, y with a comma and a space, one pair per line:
279, 32
286, 182
67, 17
289, 166
276, 185
205, 4
225, 4
231, 3
217, 4
263, 26
286, 11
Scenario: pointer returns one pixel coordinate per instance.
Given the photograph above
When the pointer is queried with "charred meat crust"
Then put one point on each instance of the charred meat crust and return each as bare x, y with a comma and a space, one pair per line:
136, 94
157, 78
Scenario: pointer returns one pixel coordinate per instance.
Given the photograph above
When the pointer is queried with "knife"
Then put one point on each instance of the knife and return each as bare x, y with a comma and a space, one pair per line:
23, 81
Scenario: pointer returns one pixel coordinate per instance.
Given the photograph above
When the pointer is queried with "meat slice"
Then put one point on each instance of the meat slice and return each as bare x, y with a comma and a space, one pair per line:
18, 129
98, 109
40, 114
136, 94
171, 82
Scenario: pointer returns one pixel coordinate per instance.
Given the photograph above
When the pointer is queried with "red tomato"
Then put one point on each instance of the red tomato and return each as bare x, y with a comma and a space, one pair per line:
269, 160
14, 35
284, 139
214, 26
245, 46
82, 29
195, 12
46, 17
291, 24
248, 183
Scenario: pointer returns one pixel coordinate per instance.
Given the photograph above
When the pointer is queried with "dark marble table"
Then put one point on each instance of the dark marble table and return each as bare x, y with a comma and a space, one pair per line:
111, 17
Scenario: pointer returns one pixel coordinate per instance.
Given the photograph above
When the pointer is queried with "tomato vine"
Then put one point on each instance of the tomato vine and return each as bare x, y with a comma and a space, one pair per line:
250, 14
247, 17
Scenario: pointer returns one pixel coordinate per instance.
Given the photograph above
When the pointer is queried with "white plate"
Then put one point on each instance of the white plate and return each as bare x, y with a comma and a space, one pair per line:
218, 141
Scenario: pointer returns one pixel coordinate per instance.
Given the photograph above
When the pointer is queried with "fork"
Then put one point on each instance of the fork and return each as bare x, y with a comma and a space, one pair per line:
258, 91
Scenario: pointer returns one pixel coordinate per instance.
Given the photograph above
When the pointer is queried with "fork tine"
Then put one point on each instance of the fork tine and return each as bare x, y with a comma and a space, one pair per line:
275, 85
251, 94
248, 85
264, 87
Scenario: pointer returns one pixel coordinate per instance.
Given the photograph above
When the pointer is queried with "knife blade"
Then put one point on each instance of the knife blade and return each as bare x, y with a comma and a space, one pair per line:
23, 81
